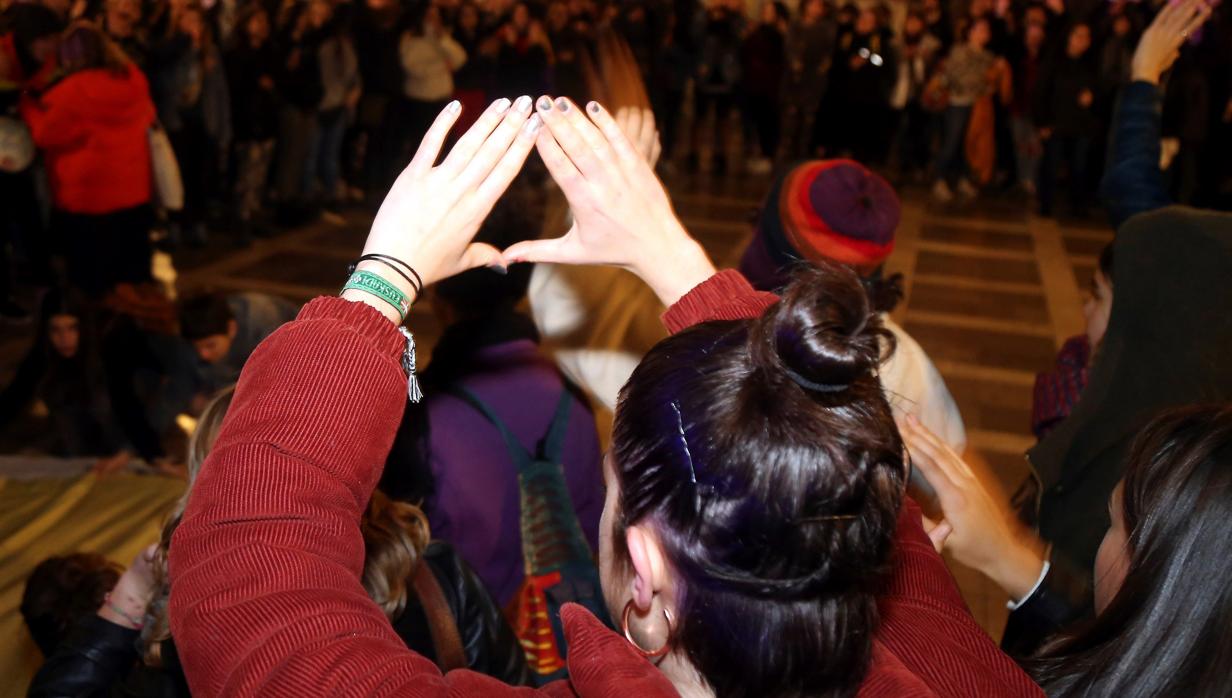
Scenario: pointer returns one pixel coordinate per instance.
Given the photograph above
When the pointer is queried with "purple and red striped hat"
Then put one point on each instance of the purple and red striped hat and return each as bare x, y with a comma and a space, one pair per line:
836, 210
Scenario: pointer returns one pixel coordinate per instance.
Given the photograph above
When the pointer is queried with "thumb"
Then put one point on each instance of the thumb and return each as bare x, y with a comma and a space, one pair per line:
939, 534
559, 250
479, 254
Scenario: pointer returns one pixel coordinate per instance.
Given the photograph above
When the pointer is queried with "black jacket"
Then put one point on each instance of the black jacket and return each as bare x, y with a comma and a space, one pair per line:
1166, 345
100, 658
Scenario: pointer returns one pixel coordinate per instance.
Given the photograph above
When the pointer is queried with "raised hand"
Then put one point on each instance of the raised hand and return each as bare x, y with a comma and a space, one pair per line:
621, 213
432, 212
975, 528
1161, 42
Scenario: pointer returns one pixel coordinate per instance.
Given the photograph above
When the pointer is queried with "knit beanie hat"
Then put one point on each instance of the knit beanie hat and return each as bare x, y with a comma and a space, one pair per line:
834, 210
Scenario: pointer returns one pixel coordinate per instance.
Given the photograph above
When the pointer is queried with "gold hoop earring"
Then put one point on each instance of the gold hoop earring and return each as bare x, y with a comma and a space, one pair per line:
667, 646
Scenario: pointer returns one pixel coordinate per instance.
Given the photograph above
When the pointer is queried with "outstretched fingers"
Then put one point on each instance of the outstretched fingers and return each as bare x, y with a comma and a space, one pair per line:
585, 158
434, 139
631, 161
497, 144
471, 141
562, 169
510, 164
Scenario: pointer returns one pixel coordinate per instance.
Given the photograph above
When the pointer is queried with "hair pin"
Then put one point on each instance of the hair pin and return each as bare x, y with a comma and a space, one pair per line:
824, 519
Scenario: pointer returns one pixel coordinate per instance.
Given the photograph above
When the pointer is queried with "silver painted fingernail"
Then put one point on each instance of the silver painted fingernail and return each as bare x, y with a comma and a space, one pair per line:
499, 269
523, 104
454, 107
594, 107
533, 126
502, 104
562, 104
545, 104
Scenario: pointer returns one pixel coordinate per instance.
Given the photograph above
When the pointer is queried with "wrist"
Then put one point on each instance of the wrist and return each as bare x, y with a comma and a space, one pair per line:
674, 272
380, 305
1142, 75
1018, 569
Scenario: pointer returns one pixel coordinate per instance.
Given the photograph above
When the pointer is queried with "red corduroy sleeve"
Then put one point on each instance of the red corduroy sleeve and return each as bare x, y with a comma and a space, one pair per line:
924, 622
265, 596
724, 296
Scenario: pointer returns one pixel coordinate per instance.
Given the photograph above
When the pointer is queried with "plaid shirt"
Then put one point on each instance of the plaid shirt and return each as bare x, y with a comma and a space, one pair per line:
1057, 391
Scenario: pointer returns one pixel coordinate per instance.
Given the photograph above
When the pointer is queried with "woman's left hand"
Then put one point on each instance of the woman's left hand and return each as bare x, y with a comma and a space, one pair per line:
432, 212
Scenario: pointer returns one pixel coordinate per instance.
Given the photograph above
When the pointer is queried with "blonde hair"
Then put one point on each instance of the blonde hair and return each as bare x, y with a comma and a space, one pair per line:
157, 626
395, 536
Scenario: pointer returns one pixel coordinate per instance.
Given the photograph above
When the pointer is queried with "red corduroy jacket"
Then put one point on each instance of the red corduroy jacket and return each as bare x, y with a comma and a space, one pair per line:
266, 596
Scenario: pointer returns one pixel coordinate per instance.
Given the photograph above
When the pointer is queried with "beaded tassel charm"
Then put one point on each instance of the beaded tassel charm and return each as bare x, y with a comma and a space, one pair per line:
413, 392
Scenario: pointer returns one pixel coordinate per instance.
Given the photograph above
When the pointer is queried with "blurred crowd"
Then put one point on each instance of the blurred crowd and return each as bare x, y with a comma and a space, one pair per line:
274, 111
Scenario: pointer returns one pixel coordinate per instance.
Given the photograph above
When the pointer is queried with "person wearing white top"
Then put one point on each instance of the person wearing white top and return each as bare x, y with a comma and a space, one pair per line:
429, 57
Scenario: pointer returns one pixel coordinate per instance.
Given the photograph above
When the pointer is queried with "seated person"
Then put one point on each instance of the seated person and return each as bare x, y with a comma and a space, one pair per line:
1161, 624
470, 486
60, 591
103, 651
65, 371
755, 535
839, 211
224, 329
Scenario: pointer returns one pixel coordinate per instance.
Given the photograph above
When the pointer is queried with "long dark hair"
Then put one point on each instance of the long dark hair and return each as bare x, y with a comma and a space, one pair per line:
765, 455
1165, 633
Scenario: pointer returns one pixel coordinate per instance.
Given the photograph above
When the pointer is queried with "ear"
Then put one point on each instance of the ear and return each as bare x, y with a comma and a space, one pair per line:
649, 565
233, 329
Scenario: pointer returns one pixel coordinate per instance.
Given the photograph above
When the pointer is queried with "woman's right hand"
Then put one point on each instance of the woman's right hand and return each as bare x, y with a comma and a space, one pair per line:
976, 530
1161, 42
432, 212
621, 213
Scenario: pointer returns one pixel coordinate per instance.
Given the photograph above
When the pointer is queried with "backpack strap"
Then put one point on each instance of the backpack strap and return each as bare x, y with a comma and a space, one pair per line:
441, 624
554, 442
520, 455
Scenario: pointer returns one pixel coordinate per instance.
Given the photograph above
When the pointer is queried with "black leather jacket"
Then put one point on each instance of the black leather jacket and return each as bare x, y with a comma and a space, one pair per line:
99, 658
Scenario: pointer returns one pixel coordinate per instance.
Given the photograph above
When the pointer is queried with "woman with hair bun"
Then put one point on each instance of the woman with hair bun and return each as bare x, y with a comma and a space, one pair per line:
755, 538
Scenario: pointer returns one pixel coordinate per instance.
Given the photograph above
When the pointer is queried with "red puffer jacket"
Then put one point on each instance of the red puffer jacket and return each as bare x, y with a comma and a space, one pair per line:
92, 128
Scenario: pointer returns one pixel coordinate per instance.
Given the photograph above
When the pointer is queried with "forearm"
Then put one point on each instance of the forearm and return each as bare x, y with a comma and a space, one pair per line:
270, 544
1133, 182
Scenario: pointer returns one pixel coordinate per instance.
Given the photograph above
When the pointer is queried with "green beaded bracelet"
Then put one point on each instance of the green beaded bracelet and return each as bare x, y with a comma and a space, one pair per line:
375, 285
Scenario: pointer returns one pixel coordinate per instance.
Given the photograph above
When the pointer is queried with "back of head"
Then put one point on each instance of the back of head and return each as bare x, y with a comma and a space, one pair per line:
61, 590
85, 47
205, 315
29, 22
481, 292
764, 455
1165, 630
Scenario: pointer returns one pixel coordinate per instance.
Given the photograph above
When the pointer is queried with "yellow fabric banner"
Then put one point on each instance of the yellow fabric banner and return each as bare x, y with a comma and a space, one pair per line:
115, 516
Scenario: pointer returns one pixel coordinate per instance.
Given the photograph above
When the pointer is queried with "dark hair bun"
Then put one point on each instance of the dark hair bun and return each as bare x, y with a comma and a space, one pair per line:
824, 330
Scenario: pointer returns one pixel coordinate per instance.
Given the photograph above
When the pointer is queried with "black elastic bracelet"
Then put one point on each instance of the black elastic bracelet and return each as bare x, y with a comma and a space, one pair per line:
418, 288
417, 284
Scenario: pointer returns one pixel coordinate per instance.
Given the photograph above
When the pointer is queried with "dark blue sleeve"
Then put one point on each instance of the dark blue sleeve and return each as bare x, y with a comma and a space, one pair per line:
1133, 182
